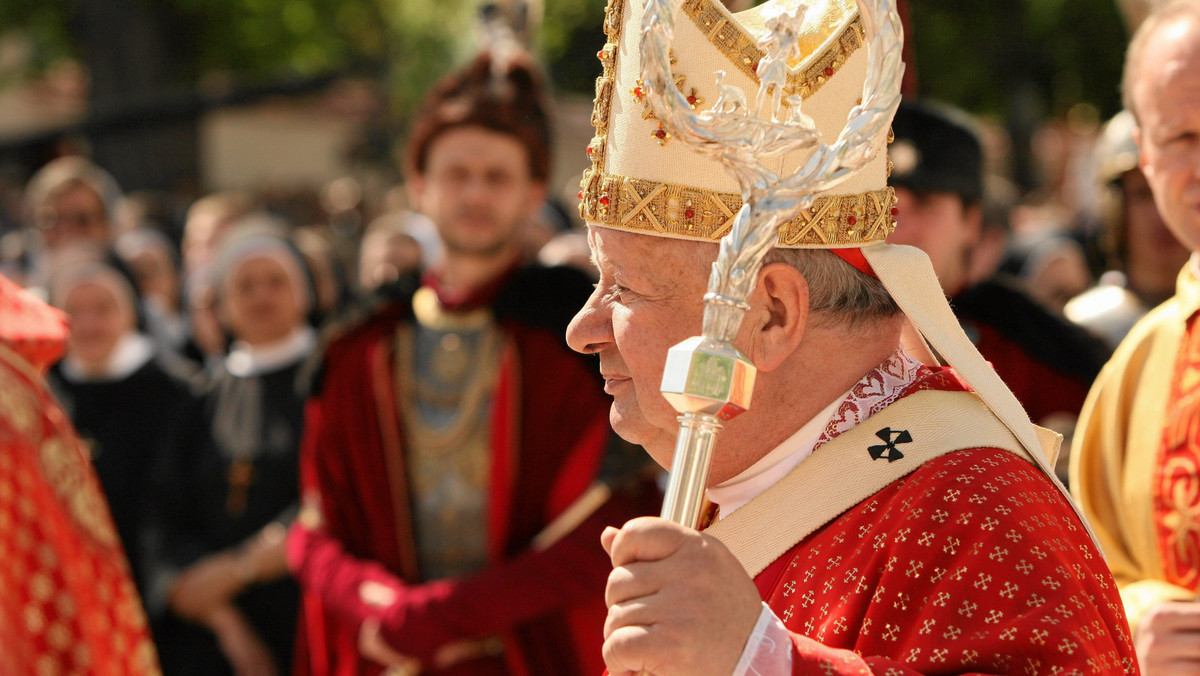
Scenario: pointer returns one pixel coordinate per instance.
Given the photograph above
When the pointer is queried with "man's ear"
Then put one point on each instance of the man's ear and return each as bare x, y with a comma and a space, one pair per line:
1137, 139
219, 308
415, 188
537, 199
778, 316
973, 221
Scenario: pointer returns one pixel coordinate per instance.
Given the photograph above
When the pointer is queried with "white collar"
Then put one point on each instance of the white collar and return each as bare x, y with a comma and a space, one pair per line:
131, 353
773, 466
246, 360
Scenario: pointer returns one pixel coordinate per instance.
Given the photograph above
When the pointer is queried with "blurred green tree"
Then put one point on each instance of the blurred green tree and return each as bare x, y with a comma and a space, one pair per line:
979, 55
256, 40
138, 52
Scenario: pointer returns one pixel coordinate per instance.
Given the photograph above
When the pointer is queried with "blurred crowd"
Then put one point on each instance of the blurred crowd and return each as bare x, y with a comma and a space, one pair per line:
185, 372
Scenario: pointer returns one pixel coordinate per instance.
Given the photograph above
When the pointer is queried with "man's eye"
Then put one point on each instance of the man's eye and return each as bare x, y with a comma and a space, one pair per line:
611, 289
1182, 138
454, 175
498, 178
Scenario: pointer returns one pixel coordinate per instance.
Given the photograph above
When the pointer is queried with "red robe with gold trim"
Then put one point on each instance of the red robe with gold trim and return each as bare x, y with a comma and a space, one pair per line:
67, 602
972, 564
549, 433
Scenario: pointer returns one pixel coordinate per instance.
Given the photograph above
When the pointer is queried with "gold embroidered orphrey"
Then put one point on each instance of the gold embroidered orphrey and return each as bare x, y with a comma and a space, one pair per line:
661, 208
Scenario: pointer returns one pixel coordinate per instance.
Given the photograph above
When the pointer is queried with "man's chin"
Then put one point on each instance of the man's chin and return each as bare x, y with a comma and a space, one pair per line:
637, 430
1192, 243
477, 248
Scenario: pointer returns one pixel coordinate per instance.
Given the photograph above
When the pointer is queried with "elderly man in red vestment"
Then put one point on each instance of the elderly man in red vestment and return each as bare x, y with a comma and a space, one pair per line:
67, 601
453, 450
874, 514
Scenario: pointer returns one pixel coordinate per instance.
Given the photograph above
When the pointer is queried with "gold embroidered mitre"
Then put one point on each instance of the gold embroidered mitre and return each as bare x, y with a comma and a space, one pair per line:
643, 180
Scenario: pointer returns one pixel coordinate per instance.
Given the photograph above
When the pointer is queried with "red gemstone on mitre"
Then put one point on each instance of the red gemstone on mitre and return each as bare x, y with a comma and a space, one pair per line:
852, 220
660, 133
691, 100
689, 213
604, 200
580, 194
828, 71
600, 55
637, 92
895, 211
590, 150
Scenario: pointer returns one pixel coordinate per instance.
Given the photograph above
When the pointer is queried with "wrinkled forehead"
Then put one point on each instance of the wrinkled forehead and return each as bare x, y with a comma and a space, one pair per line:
651, 254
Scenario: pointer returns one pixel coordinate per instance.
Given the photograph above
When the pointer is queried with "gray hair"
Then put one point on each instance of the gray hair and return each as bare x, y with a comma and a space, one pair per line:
838, 293
1169, 12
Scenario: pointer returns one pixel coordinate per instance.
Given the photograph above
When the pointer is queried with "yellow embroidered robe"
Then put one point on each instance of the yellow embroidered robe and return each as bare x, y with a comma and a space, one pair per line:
1142, 514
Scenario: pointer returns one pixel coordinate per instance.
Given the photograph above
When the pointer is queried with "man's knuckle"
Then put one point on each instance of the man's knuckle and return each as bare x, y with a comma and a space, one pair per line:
611, 624
620, 578
625, 646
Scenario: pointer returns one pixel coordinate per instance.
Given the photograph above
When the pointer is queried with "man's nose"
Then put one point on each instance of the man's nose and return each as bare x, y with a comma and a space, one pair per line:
475, 190
591, 328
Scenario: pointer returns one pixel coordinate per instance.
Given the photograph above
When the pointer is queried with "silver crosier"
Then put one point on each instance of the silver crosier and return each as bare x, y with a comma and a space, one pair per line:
706, 378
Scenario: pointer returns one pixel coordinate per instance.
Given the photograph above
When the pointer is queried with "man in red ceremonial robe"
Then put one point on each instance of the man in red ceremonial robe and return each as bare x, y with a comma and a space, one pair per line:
453, 449
873, 514
67, 602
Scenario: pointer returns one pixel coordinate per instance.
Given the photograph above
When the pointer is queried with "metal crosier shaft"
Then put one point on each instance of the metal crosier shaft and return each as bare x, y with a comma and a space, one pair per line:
689, 470
705, 378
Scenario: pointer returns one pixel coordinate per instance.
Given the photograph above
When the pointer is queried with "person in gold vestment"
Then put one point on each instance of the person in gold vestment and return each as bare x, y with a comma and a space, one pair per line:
1136, 463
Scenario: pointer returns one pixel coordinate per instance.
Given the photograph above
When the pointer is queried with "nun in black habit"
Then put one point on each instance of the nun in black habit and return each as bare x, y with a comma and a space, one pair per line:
231, 488
121, 398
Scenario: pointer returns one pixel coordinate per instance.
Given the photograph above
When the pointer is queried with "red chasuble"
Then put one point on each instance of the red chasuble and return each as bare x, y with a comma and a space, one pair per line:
549, 431
67, 603
972, 564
